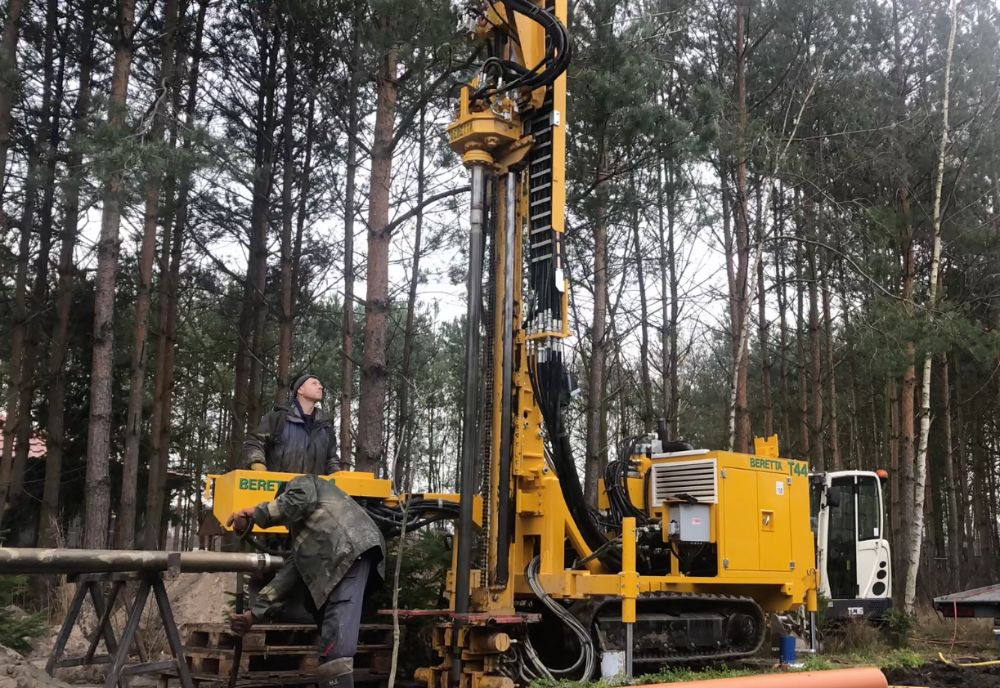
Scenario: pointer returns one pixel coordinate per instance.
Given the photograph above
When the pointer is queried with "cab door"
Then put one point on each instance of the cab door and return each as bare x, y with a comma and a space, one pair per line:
873, 567
841, 541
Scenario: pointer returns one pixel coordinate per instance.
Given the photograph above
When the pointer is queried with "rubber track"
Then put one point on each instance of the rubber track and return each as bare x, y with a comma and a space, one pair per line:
743, 604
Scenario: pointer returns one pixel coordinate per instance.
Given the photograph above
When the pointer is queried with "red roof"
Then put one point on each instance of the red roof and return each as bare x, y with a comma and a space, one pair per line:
36, 443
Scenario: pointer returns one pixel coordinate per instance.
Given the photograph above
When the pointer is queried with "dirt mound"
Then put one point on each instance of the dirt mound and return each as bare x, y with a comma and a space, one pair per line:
194, 598
940, 675
18, 672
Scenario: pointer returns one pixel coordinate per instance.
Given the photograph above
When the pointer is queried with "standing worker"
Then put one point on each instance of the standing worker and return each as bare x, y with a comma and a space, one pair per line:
296, 437
337, 554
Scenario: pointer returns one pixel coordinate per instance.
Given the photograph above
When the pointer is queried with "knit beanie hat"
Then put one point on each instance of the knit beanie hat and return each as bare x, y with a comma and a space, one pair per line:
299, 381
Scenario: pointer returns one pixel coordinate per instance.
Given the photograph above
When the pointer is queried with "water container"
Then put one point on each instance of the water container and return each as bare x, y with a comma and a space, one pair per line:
786, 649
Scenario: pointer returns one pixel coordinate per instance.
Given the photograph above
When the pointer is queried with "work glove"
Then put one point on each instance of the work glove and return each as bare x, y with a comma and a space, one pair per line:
258, 466
241, 520
240, 624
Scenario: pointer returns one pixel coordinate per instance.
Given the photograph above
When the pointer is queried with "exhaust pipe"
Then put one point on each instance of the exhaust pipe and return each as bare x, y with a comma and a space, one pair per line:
841, 678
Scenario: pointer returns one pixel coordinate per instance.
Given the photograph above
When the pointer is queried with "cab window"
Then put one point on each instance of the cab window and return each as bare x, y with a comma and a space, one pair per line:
869, 509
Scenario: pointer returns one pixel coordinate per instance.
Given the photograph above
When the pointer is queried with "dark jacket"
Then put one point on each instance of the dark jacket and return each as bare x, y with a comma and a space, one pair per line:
329, 531
282, 443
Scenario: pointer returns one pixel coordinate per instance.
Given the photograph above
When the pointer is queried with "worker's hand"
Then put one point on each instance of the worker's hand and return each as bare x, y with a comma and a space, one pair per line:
241, 520
258, 466
240, 624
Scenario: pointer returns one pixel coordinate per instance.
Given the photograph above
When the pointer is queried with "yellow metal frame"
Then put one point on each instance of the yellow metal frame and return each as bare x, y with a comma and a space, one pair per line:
241, 489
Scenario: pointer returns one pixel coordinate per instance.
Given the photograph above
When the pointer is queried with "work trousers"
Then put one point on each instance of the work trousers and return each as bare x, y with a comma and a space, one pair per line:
339, 619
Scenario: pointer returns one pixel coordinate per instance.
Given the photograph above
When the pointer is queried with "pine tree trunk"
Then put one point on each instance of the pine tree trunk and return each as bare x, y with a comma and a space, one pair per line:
648, 415
836, 462
906, 420
169, 270
596, 382
738, 292
895, 479
661, 204
854, 453
763, 334
371, 410
8, 86
347, 327
815, 358
402, 470
673, 409
961, 491
782, 300
163, 91
287, 210
800, 336
98, 480
48, 520
41, 174
14, 365
247, 370
305, 187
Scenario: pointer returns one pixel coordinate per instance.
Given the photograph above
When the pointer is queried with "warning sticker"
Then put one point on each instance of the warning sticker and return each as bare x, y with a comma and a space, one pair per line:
779, 487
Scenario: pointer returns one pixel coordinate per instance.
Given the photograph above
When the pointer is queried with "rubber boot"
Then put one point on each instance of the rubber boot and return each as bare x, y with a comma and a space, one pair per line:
337, 673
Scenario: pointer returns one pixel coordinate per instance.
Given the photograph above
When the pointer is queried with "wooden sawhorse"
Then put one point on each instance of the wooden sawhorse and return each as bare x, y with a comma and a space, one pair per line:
117, 656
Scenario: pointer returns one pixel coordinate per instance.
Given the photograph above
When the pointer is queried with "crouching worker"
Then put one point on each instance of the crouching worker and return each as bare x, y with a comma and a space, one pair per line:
337, 554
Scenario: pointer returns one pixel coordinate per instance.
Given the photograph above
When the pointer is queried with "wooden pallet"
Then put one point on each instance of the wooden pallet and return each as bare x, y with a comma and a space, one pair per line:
288, 680
281, 653
218, 636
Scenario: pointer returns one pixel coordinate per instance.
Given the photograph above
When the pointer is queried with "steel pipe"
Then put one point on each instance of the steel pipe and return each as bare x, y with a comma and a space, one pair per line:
470, 416
504, 520
32, 560
841, 678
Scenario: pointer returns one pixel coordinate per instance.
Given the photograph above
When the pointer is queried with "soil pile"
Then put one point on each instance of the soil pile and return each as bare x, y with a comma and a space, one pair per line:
18, 672
940, 675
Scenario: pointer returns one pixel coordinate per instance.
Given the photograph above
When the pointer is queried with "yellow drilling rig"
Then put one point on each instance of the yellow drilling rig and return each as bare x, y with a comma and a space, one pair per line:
688, 549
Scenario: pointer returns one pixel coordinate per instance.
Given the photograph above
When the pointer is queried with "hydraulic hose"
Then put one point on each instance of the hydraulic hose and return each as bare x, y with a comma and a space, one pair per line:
587, 656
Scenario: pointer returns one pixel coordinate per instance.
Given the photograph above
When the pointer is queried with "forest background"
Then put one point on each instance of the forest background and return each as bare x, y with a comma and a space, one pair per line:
783, 218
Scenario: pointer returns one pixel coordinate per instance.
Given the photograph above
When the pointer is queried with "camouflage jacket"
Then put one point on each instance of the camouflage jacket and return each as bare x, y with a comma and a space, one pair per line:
329, 531
283, 443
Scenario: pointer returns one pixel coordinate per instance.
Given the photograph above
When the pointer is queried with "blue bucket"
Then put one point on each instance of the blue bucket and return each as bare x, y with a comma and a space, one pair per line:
786, 649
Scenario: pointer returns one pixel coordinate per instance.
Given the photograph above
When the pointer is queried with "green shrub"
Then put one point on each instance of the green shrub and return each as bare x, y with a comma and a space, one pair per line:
898, 627
16, 630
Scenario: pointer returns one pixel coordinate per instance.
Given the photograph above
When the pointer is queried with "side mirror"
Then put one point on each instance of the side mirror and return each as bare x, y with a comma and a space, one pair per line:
832, 497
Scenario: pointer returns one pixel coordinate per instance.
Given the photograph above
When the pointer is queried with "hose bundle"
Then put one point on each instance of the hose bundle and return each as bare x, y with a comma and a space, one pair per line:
532, 667
509, 75
616, 486
550, 387
421, 512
